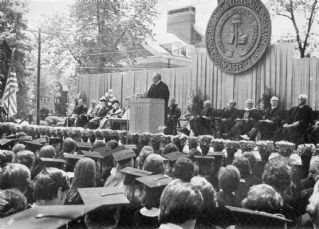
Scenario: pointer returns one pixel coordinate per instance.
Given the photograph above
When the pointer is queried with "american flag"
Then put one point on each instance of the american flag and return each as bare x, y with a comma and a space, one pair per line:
10, 95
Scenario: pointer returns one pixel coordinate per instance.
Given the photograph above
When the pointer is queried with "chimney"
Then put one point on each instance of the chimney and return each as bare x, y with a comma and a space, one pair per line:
180, 22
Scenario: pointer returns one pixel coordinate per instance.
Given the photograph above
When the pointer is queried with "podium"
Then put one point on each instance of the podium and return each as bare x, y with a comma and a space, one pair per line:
146, 115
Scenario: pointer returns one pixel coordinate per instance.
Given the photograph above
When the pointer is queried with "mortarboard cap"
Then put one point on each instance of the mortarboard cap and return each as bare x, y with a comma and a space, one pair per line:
92, 154
155, 181
122, 153
54, 216
70, 156
41, 141
83, 145
6, 143
32, 146
253, 219
174, 156
53, 162
104, 196
54, 140
12, 136
25, 138
105, 151
131, 173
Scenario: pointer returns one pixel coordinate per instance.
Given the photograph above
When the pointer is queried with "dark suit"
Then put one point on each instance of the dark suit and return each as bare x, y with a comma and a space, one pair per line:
159, 91
174, 113
304, 116
243, 127
228, 116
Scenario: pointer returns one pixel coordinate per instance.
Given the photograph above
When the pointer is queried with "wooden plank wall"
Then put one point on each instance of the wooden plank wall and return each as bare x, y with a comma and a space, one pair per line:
278, 70
129, 83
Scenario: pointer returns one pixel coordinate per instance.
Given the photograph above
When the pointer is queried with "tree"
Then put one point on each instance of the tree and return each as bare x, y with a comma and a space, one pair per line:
291, 9
96, 37
12, 27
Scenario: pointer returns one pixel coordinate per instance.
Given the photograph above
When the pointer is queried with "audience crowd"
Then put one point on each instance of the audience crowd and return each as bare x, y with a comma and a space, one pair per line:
165, 187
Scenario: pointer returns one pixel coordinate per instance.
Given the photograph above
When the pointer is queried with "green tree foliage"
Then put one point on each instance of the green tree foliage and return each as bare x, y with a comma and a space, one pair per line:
12, 31
302, 14
96, 37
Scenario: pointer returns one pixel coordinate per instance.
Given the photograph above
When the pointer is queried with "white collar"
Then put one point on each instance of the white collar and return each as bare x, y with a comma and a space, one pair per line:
169, 226
153, 212
158, 82
247, 109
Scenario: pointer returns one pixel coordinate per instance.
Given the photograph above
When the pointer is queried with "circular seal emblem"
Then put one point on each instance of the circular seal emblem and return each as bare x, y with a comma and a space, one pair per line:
238, 34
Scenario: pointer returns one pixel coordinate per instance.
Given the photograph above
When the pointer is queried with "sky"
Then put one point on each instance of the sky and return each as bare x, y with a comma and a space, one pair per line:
204, 8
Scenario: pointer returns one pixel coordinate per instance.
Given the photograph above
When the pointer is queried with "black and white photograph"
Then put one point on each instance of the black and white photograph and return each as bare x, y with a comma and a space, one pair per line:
159, 114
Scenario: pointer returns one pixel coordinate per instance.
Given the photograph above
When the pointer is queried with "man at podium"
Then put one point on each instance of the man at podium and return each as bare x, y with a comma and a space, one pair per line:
159, 90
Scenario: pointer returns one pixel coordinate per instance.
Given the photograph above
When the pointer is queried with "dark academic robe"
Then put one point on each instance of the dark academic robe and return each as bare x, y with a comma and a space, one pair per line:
305, 117
271, 130
159, 91
79, 109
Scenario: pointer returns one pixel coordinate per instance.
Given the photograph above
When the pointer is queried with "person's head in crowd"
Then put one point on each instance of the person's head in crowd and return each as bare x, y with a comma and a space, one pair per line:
243, 165
6, 157
145, 152
232, 104
47, 151
154, 163
314, 168
228, 178
302, 99
11, 201
84, 173
103, 102
207, 190
93, 103
98, 144
25, 157
169, 148
183, 169
69, 145
80, 102
274, 102
180, 204
207, 104
84, 177
112, 144
252, 160
16, 176
277, 173
249, 104
18, 147
171, 101
263, 198
156, 77
103, 217
50, 187
116, 104
313, 206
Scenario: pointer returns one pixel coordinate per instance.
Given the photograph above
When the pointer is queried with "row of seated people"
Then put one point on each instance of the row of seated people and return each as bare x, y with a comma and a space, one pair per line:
164, 189
253, 123
97, 115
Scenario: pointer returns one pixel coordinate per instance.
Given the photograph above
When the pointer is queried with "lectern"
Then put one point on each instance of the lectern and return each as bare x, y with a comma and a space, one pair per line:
146, 115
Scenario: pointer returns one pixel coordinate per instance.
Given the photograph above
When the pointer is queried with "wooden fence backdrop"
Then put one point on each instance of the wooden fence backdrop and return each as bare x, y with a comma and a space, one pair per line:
278, 70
